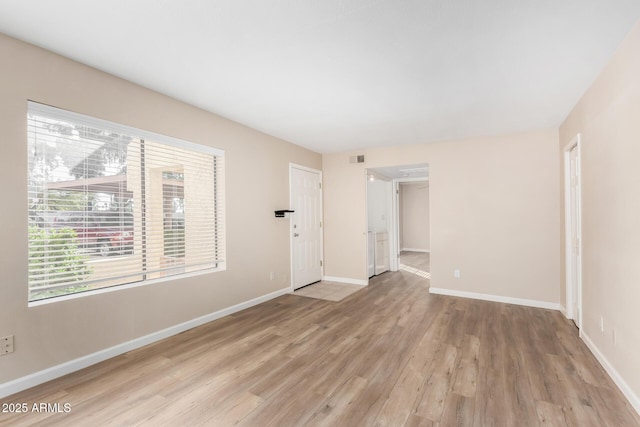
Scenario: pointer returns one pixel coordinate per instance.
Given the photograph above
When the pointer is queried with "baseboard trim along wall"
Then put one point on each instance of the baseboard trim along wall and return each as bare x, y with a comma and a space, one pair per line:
57, 371
563, 310
426, 251
615, 376
346, 280
496, 298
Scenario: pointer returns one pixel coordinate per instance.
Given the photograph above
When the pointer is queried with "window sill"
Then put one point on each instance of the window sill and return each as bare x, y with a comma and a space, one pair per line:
116, 288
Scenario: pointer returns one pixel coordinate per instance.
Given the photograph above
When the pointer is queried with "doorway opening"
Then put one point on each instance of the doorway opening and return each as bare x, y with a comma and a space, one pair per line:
398, 219
573, 233
414, 242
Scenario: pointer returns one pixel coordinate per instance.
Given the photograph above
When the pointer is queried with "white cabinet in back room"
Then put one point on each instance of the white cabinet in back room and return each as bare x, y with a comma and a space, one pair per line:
382, 252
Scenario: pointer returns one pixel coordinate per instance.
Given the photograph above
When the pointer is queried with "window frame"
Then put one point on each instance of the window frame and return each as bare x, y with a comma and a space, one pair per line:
218, 180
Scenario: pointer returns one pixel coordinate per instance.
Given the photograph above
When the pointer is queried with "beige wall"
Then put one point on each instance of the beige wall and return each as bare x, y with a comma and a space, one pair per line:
257, 168
495, 213
608, 120
414, 215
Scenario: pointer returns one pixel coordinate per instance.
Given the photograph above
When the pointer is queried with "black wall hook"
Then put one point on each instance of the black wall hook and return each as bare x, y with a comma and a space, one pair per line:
280, 214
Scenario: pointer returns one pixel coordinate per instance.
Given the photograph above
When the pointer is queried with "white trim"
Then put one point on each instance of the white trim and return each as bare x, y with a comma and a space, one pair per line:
389, 202
575, 142
319, 172
633, 399
426, 251
65, 115
65, 368
563, 310
115, 288
305, 168
345, 280
414, 179
366, 224
496, 298
394, 237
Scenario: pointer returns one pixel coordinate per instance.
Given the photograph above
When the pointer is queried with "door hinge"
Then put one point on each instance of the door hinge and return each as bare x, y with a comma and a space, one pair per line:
320, 224
320, 263
320, 185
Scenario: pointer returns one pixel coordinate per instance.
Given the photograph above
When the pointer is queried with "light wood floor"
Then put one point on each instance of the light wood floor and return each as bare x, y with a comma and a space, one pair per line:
418, 260
330, 291
390, 354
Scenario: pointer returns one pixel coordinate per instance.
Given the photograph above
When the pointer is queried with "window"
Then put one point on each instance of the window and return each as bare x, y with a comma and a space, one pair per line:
112, 205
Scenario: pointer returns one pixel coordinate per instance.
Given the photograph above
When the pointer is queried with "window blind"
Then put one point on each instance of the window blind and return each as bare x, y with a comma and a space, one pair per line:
110, 204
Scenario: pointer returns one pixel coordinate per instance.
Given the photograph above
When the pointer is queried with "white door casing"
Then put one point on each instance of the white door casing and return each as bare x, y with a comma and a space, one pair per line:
305, 190
573, 244
394, 239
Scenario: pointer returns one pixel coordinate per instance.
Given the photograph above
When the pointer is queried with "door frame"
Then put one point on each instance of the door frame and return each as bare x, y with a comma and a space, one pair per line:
569, 279
368, 172
319, 172
394, 250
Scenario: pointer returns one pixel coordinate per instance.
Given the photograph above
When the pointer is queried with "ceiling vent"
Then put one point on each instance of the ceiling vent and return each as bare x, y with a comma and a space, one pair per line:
356, 159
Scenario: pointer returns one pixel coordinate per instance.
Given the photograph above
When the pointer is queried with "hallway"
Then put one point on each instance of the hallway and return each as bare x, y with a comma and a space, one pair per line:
417, 263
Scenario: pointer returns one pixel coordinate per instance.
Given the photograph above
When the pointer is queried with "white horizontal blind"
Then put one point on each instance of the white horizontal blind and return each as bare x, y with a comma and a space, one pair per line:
111, 205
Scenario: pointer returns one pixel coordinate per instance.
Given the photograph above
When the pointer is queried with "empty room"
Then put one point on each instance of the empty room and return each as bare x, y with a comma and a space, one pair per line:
301, 213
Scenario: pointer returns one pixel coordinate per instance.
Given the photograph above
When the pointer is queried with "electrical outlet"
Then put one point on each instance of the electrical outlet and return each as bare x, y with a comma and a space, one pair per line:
613, 336
6, 345
272, 276
601, 323
456, 273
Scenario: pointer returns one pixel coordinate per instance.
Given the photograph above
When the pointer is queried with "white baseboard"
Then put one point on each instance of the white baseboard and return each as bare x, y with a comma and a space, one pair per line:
415, 250
65, 368
346, 280
563, 310
615, 376
496, 298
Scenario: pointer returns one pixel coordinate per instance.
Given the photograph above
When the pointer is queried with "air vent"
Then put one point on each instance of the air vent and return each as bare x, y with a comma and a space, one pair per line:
357, 159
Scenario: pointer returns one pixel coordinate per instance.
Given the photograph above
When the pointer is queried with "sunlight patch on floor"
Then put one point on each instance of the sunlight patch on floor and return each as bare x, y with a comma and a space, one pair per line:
417, 272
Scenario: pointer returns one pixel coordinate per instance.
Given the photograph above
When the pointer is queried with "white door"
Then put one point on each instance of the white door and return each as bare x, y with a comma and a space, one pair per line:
306, 226
574, 219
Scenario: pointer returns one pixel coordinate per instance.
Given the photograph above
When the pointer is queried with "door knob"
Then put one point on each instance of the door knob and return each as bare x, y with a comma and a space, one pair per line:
295, 234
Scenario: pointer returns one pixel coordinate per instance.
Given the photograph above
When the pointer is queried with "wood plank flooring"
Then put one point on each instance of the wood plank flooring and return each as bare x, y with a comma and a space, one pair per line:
330, 291
390, 354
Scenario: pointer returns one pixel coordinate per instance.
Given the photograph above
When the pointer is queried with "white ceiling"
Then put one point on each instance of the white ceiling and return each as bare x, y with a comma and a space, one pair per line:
333, 75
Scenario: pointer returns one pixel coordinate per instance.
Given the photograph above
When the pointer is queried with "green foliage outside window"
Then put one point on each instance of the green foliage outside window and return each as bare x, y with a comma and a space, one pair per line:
54, 258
